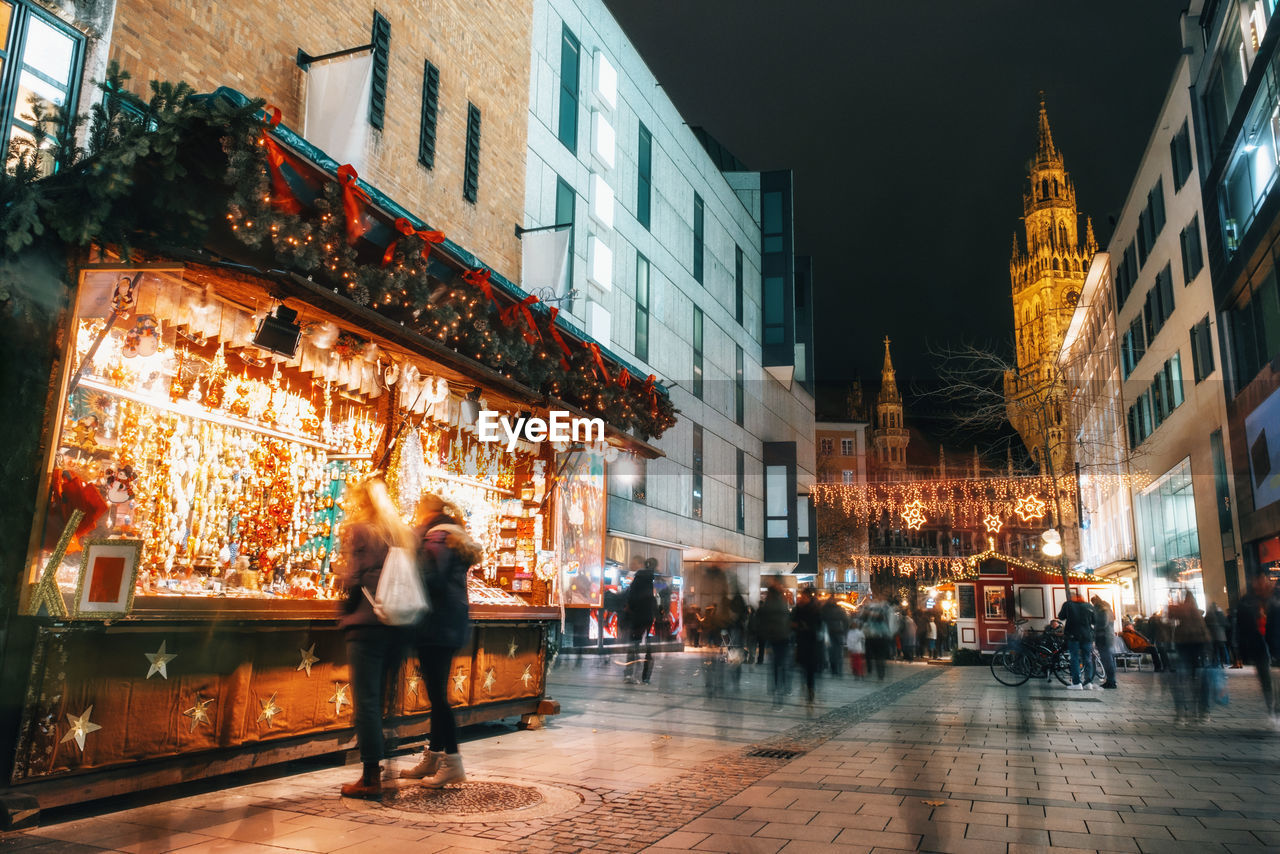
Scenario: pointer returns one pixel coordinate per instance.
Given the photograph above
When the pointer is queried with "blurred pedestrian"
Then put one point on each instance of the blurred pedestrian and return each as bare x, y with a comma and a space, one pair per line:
931, 637
878, 627
1190, 638
907, 637
1078, 621
836, 622
1104, 637
1219, 655
1251, 636
639, 611
774, 621
806, 623
856, 643
371, 528
1160, 630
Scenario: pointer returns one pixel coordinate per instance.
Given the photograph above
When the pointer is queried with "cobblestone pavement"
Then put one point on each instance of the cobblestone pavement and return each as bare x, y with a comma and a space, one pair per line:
934, 758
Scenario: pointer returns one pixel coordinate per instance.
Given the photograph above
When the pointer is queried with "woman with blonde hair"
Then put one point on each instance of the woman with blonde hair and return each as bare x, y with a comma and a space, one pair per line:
445, 553
371, 527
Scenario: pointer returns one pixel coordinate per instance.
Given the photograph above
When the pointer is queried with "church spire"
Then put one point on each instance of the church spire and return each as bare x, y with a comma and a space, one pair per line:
1090, 242
1045, 150
888, 383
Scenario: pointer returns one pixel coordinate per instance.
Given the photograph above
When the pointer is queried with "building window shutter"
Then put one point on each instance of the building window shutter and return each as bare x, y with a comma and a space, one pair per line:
381, 54
430, 115
471, 177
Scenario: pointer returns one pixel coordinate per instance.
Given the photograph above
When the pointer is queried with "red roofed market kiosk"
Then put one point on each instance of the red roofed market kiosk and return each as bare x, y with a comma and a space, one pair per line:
998, 588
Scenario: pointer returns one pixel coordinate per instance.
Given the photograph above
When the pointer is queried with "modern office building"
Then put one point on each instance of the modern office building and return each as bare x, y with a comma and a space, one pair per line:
1236, 98
681, 260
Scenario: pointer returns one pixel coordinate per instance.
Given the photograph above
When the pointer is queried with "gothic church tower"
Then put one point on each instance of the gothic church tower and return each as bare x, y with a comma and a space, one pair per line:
1046, 279
889, 437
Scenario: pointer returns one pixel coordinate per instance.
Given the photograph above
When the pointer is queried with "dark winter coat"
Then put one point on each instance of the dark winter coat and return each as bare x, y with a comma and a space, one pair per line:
773, 619
806, 620
837, 621
1251, 618
363, 553
641, 606
445, 553
1078, 620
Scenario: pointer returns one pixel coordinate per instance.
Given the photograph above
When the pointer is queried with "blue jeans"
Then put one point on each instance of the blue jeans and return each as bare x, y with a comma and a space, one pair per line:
371, 652
1081, 652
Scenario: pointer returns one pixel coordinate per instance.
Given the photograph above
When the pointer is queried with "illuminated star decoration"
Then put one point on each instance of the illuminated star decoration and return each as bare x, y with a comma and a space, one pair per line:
489, 679
80, 727
308, 658
526, 677
460, 681
913, 515
339, 698
159, 661
269, 711
414, 682
199, 713
512, 647
993, 523
1030, 507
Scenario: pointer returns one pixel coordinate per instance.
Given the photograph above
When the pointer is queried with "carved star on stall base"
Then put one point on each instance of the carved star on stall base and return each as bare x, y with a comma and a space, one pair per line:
489, 680
80, 727
339, 698
993, 523
269, 711
414, 682
199, 713
527, 676
512, 647
308, 658
1030, 507
460, 681
159, 661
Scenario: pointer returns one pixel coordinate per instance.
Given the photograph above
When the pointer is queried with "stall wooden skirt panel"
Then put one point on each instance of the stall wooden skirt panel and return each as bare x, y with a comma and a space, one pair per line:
226, 688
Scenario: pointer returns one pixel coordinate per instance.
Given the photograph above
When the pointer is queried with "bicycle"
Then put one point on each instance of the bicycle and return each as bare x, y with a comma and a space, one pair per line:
1028, 654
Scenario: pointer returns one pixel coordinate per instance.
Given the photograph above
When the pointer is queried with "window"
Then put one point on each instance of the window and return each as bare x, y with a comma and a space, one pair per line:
739, 282
381, 58
739, 387
697, 352
570, 56
846, 447
697, 471
1140, 421
776, 503
774, 317
1133, 347
430, 115
846, 476
1126, 274
471, 174
1180, 154
1192, 256
1159, 304
1254, 327
1165, 514
644, 184
642, 308
742, 490
639, 486
1201, 349
39, 57
1151, 221
827, 446
699, 233
566, 205
1166, 393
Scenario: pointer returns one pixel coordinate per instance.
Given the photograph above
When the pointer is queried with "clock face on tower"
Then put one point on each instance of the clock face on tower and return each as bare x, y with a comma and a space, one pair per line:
1071, 298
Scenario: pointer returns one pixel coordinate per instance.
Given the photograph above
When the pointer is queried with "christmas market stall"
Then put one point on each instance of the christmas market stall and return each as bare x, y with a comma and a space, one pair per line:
214, 386
996, 589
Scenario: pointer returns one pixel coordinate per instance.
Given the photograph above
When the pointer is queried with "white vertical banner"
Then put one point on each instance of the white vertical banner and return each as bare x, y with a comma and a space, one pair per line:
544, 258
337, 111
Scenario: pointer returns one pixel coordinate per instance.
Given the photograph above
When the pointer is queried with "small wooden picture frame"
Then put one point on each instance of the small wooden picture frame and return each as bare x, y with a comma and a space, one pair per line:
108, 573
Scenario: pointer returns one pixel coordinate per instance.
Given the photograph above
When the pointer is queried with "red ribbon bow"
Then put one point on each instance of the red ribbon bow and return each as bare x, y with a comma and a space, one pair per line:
352, 196
282, 198
555, 333
651, 389
530, 332
479, 278
624, 379
601, 370
407, 229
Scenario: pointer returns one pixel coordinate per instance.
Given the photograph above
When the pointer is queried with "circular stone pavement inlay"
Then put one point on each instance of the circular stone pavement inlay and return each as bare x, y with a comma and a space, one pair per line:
487, 801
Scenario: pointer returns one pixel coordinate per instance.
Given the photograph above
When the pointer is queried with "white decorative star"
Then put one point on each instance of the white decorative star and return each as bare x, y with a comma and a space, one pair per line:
913, 515
269, 711
199, 713
512, 647
80, 727
993, 523
339, 698
489, 679
414, 682
1030, 507
308, 658
160, 661
460, 681
526, 677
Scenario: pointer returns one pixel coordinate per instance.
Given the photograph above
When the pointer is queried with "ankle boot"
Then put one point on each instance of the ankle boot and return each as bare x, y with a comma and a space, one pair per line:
369, 786
449, 771
426, 767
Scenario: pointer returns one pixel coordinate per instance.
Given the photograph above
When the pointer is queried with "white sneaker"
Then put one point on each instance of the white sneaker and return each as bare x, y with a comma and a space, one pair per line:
1089, 686
449, 771
1075, 686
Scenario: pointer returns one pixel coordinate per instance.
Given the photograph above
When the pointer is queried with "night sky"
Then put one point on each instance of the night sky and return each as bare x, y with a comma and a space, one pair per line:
909, 126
